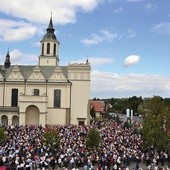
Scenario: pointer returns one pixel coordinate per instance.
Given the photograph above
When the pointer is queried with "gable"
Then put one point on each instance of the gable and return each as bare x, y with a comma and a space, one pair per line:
57, 76
14, 75
36, 75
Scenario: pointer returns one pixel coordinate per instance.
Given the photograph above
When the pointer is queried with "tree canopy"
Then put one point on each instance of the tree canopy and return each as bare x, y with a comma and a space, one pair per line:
3, 136
154, 131
51, 139
93, 139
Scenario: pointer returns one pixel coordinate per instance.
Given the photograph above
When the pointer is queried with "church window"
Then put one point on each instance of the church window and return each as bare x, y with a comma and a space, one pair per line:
54, 49
48, 48
36, 92
57, 98
14, 100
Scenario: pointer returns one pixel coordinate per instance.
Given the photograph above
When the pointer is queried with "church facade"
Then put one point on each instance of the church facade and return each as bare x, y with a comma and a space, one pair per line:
46, 93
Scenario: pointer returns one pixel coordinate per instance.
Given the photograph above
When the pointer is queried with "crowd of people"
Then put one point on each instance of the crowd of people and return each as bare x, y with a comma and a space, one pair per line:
118, 149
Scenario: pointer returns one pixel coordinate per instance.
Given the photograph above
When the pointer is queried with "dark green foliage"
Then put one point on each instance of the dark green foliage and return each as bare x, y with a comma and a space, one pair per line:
3, 136
120, 105
93, 112
93, 139
51, 139
134, 102
166, 101
153, 133
156, 115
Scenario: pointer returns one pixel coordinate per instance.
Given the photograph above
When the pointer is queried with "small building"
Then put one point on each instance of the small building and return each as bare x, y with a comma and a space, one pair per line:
98, 106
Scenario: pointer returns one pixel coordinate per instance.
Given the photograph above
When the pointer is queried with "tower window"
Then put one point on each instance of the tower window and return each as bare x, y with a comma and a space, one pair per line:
54, 52
48, 48
14, 99
57, 98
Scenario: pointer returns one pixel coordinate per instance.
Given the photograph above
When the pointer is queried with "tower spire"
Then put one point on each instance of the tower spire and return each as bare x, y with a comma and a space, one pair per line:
50, 31
7, 62
50, 26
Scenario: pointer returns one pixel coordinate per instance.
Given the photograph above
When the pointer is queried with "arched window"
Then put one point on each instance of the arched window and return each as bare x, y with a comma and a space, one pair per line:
57, 98
48, 48
54, 52
43, 49
14, 98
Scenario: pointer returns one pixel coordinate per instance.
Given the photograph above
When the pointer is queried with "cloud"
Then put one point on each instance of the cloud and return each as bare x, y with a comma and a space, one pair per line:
106, 36
15, 55
100, 61
130, 33
151, 6
95, 60
162, 28
118, 10
107, 85
64, 11
131, 60
96, 38
16, 30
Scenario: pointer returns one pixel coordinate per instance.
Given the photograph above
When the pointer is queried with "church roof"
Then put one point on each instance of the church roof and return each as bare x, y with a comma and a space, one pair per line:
27, 70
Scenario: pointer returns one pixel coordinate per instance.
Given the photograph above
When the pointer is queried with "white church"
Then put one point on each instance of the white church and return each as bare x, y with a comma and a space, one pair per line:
46, 93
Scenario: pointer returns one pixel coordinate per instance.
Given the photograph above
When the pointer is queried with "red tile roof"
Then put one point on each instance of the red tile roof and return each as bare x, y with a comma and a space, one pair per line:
98, 105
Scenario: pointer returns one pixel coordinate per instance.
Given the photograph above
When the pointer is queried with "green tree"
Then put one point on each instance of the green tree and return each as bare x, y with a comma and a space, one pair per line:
153, 133
166, 101
93, 139
3, 135
155, 115
134, 102
51, 139
152, 106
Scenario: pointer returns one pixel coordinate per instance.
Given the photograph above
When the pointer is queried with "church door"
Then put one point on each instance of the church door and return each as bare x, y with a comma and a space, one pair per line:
32, 115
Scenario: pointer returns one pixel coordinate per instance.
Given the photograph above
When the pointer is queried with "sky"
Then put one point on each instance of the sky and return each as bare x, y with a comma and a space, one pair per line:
127, 42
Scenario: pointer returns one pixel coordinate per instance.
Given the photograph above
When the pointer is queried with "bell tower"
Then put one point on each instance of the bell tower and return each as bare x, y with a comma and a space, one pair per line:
49, 47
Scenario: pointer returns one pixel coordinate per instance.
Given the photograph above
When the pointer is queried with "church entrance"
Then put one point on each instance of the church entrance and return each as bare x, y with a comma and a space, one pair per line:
4, 120
32, 115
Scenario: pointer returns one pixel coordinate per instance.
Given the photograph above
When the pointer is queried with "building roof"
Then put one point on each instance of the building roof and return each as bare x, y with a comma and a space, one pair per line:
98, 105
27, 70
